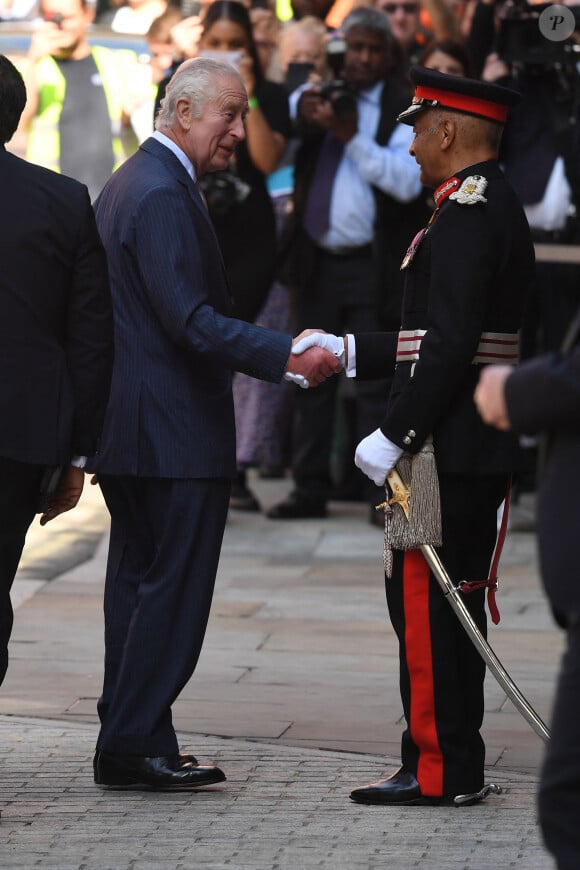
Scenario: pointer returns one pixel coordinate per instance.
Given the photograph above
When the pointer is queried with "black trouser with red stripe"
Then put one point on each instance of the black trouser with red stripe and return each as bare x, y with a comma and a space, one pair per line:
441, 672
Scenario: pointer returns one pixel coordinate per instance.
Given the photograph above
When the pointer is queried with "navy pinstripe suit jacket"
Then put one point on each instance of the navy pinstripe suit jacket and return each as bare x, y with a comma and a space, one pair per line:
170, 412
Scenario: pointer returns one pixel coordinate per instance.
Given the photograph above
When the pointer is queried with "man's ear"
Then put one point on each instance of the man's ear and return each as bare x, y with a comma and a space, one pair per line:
448, 132
183, 113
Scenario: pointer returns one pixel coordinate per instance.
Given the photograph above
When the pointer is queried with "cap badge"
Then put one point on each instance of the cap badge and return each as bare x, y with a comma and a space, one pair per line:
471, 191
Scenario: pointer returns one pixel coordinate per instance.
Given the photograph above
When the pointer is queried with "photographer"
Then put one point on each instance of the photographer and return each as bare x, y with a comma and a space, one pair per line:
541, 149
355, 205
540, 156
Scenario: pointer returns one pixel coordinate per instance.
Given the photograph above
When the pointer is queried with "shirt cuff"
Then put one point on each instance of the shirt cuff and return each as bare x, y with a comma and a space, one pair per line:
350, 370
78, 461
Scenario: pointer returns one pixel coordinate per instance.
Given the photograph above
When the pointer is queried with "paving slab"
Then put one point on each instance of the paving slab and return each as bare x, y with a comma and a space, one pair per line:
296, 695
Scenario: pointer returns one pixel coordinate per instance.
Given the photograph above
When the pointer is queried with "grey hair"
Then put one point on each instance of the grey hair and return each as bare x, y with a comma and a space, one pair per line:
473, 131
195, 80
371, 19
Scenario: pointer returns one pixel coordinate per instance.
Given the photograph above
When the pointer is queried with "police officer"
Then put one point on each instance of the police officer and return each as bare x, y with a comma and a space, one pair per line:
465, 279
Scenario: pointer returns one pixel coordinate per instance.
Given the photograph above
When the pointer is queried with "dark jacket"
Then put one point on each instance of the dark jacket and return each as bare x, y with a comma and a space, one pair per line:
470, 275
171, 411
543, 395
56, 333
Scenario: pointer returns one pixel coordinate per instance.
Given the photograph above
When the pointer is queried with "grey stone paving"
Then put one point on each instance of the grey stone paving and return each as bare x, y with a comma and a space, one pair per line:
280, 808
296, 696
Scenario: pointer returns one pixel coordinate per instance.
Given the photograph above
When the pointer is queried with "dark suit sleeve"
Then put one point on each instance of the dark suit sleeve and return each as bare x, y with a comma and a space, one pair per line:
544, 394
375, 354
89, 338
183, 288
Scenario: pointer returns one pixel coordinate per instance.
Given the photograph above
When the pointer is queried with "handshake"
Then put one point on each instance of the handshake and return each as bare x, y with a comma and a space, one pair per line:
315, 356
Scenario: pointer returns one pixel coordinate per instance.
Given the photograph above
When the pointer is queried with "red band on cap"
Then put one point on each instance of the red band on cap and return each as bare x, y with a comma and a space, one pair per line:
465, 103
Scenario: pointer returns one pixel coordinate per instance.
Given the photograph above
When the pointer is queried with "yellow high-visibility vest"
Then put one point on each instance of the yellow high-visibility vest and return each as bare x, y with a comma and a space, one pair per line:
43, 145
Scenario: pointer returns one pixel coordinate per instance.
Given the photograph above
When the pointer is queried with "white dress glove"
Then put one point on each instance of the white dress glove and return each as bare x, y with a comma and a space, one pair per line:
376, 456
317, 339
326, 340
297, 379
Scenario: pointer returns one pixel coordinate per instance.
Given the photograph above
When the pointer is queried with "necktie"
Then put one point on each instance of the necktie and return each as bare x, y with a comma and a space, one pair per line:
317, 210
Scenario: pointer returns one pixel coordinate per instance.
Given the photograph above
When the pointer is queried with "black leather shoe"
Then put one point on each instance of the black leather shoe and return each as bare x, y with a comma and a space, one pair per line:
190, 758
241, 496
162, 772
244, 500
297, 507
400, 789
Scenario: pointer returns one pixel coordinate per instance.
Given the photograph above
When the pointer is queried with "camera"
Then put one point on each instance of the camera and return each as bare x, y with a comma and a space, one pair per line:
55, 18
223, 190
340, 94
520, 40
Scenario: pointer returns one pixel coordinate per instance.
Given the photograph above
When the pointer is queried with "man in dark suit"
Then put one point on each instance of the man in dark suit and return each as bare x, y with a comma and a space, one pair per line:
56, 342
465, 279
168, 453
543, 395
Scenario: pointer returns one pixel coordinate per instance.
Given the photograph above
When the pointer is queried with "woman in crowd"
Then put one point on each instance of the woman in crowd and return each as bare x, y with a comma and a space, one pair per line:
448, 56
238, 200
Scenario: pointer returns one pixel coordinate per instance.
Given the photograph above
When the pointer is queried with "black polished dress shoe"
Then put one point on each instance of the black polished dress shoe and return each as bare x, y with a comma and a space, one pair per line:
161, 772
400, 789
297, 507
191, 758
244, 500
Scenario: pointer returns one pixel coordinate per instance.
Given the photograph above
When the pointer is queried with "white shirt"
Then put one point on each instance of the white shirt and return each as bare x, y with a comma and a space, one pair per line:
555, 207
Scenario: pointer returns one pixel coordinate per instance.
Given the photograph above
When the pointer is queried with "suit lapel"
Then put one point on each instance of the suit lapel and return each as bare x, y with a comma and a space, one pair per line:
179, 172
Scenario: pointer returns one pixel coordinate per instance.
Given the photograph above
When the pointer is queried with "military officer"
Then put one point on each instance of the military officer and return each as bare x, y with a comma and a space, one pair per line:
465, 280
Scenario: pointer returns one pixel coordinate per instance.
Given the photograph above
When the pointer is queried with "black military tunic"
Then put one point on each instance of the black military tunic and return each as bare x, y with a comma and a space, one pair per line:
465, 287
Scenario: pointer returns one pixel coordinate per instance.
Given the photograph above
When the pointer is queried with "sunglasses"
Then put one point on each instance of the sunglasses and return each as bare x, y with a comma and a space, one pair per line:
408, 8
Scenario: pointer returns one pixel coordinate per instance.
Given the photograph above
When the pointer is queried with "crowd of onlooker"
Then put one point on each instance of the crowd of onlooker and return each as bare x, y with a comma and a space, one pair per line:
89, 107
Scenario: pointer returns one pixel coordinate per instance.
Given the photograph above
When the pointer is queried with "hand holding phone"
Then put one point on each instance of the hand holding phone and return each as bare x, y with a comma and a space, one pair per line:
297, 75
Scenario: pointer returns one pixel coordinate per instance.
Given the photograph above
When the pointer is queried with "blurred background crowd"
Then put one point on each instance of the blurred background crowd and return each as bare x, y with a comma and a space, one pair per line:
315, 212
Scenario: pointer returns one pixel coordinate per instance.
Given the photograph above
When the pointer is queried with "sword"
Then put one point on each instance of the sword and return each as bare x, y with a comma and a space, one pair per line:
400, 496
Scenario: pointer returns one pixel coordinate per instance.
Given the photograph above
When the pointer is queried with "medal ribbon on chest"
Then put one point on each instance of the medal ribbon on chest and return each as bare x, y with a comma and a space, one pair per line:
440, 195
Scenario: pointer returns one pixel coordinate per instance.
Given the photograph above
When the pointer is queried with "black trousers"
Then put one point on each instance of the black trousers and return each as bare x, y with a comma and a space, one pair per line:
164, 549
19, 492
559, 795
342, 299
441, 673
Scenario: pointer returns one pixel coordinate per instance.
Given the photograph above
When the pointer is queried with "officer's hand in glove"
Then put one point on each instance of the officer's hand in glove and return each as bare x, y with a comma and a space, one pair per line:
326, 340
376, 456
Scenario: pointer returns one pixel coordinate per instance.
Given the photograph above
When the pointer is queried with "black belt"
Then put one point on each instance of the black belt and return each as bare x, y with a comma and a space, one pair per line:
343, 253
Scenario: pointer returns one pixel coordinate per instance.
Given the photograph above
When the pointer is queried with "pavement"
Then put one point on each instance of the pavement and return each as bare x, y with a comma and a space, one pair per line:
295, 697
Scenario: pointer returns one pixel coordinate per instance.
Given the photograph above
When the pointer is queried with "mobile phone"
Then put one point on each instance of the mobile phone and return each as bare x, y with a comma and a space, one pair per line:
297, 75
231, 57
190, 7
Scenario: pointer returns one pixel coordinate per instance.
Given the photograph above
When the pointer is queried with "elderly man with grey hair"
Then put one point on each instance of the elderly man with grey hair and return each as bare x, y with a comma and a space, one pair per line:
357, 201
167, 455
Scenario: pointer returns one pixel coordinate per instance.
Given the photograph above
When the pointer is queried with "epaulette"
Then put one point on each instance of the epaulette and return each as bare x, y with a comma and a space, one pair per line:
471, 190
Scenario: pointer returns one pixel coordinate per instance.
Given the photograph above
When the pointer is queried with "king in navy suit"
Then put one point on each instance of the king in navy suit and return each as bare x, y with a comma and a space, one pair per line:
168, 452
